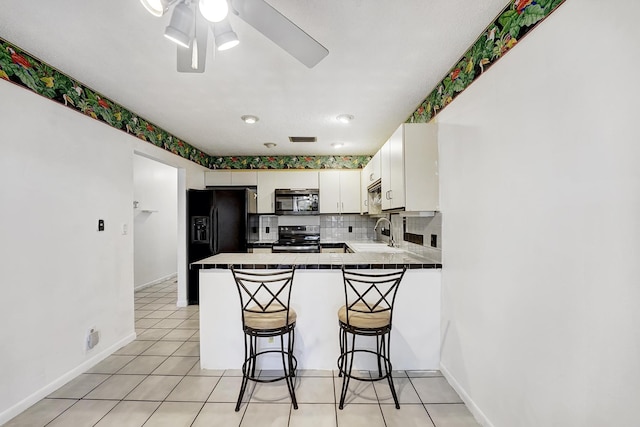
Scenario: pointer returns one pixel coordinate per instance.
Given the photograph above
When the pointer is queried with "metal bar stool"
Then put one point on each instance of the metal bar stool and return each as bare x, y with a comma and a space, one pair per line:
264, 302
368, 311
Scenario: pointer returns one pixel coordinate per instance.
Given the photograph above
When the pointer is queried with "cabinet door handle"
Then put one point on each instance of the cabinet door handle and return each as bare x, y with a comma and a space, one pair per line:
390, 194
342, 210
366, 203
371, 176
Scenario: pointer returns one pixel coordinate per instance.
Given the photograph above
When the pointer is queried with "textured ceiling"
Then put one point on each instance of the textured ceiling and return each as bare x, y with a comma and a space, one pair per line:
384, 58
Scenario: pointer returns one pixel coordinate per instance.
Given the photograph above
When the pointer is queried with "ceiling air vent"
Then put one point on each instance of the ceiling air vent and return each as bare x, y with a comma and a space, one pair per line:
295, 139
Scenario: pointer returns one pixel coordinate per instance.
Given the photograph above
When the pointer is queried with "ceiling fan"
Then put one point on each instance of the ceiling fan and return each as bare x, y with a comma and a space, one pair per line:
190, 29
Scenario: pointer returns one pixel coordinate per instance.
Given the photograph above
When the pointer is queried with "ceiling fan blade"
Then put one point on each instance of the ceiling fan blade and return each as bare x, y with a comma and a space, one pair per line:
276, 27
186, 58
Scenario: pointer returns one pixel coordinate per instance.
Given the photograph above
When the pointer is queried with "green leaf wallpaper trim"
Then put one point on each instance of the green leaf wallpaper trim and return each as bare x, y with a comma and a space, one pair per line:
20, 68
516, 20
290, 162
511, 25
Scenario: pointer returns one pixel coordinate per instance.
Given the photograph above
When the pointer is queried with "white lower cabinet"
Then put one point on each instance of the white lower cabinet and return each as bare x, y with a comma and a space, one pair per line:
339, 191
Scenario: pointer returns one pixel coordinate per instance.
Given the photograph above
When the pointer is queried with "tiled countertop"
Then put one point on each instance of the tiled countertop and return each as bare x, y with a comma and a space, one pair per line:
362, 260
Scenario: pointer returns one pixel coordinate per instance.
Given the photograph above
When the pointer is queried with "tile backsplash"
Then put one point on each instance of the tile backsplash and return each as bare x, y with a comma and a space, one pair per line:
346, 227
268, 228
264, 228
341, 228
424, 226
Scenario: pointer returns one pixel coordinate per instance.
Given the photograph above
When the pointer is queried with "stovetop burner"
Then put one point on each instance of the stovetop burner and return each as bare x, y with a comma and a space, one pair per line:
298, 239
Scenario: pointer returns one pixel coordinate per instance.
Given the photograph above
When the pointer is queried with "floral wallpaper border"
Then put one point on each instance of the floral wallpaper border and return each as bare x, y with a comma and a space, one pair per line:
511, 25
19, 67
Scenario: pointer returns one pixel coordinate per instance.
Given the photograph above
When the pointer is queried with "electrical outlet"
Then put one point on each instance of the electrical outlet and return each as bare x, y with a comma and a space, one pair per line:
350, 229
268, 230
93, 338
434, 240
101, 225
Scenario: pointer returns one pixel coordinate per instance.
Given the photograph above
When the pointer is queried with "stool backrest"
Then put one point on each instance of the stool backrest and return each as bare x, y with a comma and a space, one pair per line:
371, 293
264, 292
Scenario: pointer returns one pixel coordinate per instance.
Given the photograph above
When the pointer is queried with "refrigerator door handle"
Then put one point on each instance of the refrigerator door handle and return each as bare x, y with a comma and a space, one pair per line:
215, 231
212, 230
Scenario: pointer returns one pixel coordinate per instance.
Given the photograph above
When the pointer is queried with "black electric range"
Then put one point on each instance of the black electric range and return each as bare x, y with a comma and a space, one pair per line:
297, 239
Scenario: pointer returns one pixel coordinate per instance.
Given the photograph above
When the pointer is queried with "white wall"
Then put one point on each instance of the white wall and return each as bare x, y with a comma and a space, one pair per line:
61, 172
155, 241
540, 185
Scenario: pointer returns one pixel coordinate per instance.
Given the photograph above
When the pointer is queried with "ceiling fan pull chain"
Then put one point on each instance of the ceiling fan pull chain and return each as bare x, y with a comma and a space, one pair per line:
194, 54
194, 42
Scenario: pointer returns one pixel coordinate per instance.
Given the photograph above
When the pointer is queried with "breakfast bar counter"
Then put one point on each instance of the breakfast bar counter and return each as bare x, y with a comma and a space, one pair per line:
317, 294
315, 261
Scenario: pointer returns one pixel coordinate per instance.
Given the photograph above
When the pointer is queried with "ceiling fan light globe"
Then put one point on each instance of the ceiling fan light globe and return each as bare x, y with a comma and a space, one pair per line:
214, 10
179, 29
154, 7
177, 37
224, 35
228, 45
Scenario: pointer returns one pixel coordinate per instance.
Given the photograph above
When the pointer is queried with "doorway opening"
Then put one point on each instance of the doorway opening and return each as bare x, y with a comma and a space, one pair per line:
156, 216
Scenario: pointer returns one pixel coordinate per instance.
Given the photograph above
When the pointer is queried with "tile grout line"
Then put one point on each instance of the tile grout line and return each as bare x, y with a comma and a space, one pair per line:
421, 401
335, 402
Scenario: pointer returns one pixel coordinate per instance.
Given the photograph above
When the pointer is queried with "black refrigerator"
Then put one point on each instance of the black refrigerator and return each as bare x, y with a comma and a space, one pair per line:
217, 222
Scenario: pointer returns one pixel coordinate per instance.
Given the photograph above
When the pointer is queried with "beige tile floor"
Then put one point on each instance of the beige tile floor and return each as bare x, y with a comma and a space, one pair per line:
157, 381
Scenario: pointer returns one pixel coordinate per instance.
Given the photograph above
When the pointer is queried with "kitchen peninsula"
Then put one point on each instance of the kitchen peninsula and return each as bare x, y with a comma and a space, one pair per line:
318, 293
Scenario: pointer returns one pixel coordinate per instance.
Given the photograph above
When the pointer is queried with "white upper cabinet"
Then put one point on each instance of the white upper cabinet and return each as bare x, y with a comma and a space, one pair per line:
339, 191
269, 181
249, 178
421, 167
409, 168
371, 172
369, 175
350, 191
364, 195
228, 177
392, 171
216, 178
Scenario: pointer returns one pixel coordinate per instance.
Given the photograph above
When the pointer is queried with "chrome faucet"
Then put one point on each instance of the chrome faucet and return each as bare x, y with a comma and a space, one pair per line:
391, 241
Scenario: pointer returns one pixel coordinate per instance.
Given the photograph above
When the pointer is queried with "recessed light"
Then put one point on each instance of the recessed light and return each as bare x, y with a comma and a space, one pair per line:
345, 118
337, 145
249, 119
270, 144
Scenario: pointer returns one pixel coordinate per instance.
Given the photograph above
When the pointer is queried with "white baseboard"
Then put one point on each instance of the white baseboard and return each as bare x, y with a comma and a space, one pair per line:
155, 282
35, 397
182, 303
471, 405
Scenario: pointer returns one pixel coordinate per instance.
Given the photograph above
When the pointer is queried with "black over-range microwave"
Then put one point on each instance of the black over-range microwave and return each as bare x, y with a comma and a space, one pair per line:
297, 202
